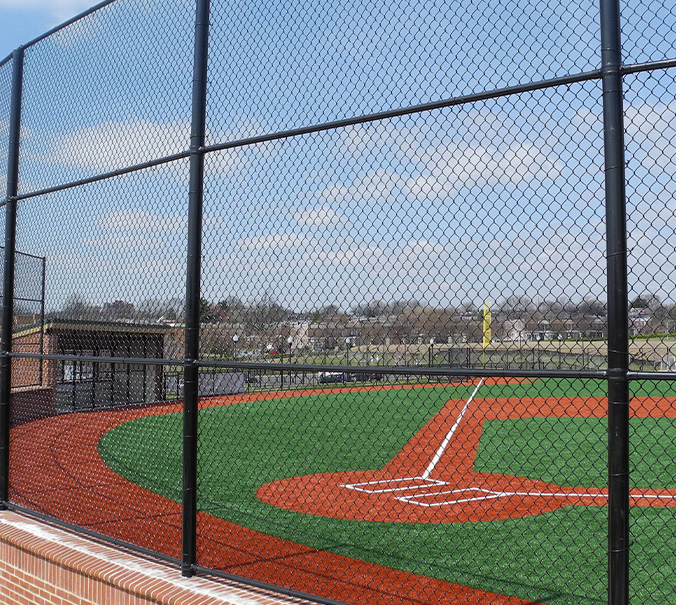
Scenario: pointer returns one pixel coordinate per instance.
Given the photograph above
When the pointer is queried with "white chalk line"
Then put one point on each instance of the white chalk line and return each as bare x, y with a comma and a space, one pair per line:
425, 477
424, 482
486, 494
492, 495
442, 448
421, 482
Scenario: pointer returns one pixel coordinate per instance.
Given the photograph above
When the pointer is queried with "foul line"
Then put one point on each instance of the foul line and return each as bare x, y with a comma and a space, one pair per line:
425, 477
447, 440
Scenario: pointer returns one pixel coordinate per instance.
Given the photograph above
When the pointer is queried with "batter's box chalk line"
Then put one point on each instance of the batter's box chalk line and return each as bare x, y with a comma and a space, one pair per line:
461, 495
399, 484
425, 491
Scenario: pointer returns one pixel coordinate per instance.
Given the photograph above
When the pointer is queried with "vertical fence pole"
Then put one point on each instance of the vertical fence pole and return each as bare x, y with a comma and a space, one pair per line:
9, 265
192, 307
618, 329
42, 316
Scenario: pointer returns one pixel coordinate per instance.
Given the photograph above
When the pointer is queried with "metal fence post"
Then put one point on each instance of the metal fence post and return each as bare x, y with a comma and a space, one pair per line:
618, 329
8, 277
192, 309
42, 318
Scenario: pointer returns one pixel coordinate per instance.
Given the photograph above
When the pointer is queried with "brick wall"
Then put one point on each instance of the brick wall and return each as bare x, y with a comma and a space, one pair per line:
29, 371
43, 565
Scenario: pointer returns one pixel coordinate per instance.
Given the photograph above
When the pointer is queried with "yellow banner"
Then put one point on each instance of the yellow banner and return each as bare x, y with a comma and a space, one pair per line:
487, 324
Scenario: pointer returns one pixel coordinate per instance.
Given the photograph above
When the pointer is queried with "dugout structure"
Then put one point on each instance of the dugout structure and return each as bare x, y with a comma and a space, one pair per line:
47, 387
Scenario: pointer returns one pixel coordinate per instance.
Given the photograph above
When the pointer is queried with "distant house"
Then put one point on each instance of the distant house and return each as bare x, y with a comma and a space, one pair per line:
45, 387
639, 321
516, 330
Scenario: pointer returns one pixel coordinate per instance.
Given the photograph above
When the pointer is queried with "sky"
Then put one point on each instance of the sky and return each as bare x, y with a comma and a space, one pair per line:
23, 20
464, 204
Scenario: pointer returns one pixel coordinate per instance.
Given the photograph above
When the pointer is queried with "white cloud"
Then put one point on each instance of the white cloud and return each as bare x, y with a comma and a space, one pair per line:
650, 134
62, 10
455, 166
57, 9
373, 186
422, 249
309, 252
135, 219
277, 242
448, 168
324, 216
367, 137
136, 229
111, 145
121, 241
361, 255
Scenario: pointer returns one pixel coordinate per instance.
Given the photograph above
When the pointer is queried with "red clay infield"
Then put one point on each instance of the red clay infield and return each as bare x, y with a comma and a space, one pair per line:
431, 480
56, 470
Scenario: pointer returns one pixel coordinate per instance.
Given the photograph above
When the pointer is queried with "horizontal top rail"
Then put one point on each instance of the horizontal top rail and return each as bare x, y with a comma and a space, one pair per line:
352, 121
298, 367
407, 370
137, 360
640, 375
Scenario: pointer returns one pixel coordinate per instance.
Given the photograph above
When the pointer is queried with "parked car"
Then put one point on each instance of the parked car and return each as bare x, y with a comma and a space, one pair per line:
333, 377
365, 376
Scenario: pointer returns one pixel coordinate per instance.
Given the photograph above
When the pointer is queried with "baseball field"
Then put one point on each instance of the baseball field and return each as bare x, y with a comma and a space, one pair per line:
489, 491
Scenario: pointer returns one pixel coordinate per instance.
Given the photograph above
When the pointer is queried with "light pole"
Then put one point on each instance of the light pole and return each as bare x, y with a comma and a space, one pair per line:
431, 351
347, 351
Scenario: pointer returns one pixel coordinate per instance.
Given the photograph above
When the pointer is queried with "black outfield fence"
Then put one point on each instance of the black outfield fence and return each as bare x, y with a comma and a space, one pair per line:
368, 302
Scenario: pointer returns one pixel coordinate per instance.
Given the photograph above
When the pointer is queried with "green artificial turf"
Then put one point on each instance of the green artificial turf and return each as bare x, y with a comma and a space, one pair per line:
556, 558
572, 451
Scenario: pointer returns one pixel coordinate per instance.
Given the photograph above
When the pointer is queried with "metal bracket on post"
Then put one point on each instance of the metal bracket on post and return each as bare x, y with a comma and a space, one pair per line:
192, 307
9, 266
618, 328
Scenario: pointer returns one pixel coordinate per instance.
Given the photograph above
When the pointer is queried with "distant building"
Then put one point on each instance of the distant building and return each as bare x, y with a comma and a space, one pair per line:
516, 330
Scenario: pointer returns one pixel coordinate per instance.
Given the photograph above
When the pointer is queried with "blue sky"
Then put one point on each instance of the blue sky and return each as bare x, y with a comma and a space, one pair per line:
24, 20
457, 205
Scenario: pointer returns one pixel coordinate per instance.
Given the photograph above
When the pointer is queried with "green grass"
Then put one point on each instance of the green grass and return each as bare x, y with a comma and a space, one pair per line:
572, 451
556, 558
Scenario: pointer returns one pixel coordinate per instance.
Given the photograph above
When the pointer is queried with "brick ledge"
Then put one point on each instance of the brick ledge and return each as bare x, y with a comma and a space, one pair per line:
139, 579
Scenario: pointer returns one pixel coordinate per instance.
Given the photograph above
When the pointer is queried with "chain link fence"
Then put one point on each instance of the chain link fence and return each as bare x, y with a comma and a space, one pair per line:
345, 299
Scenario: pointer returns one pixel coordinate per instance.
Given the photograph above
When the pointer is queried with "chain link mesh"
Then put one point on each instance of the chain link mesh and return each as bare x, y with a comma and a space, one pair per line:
101, 242
301, 63
648, 28
403, 322
651, 189
650, 115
